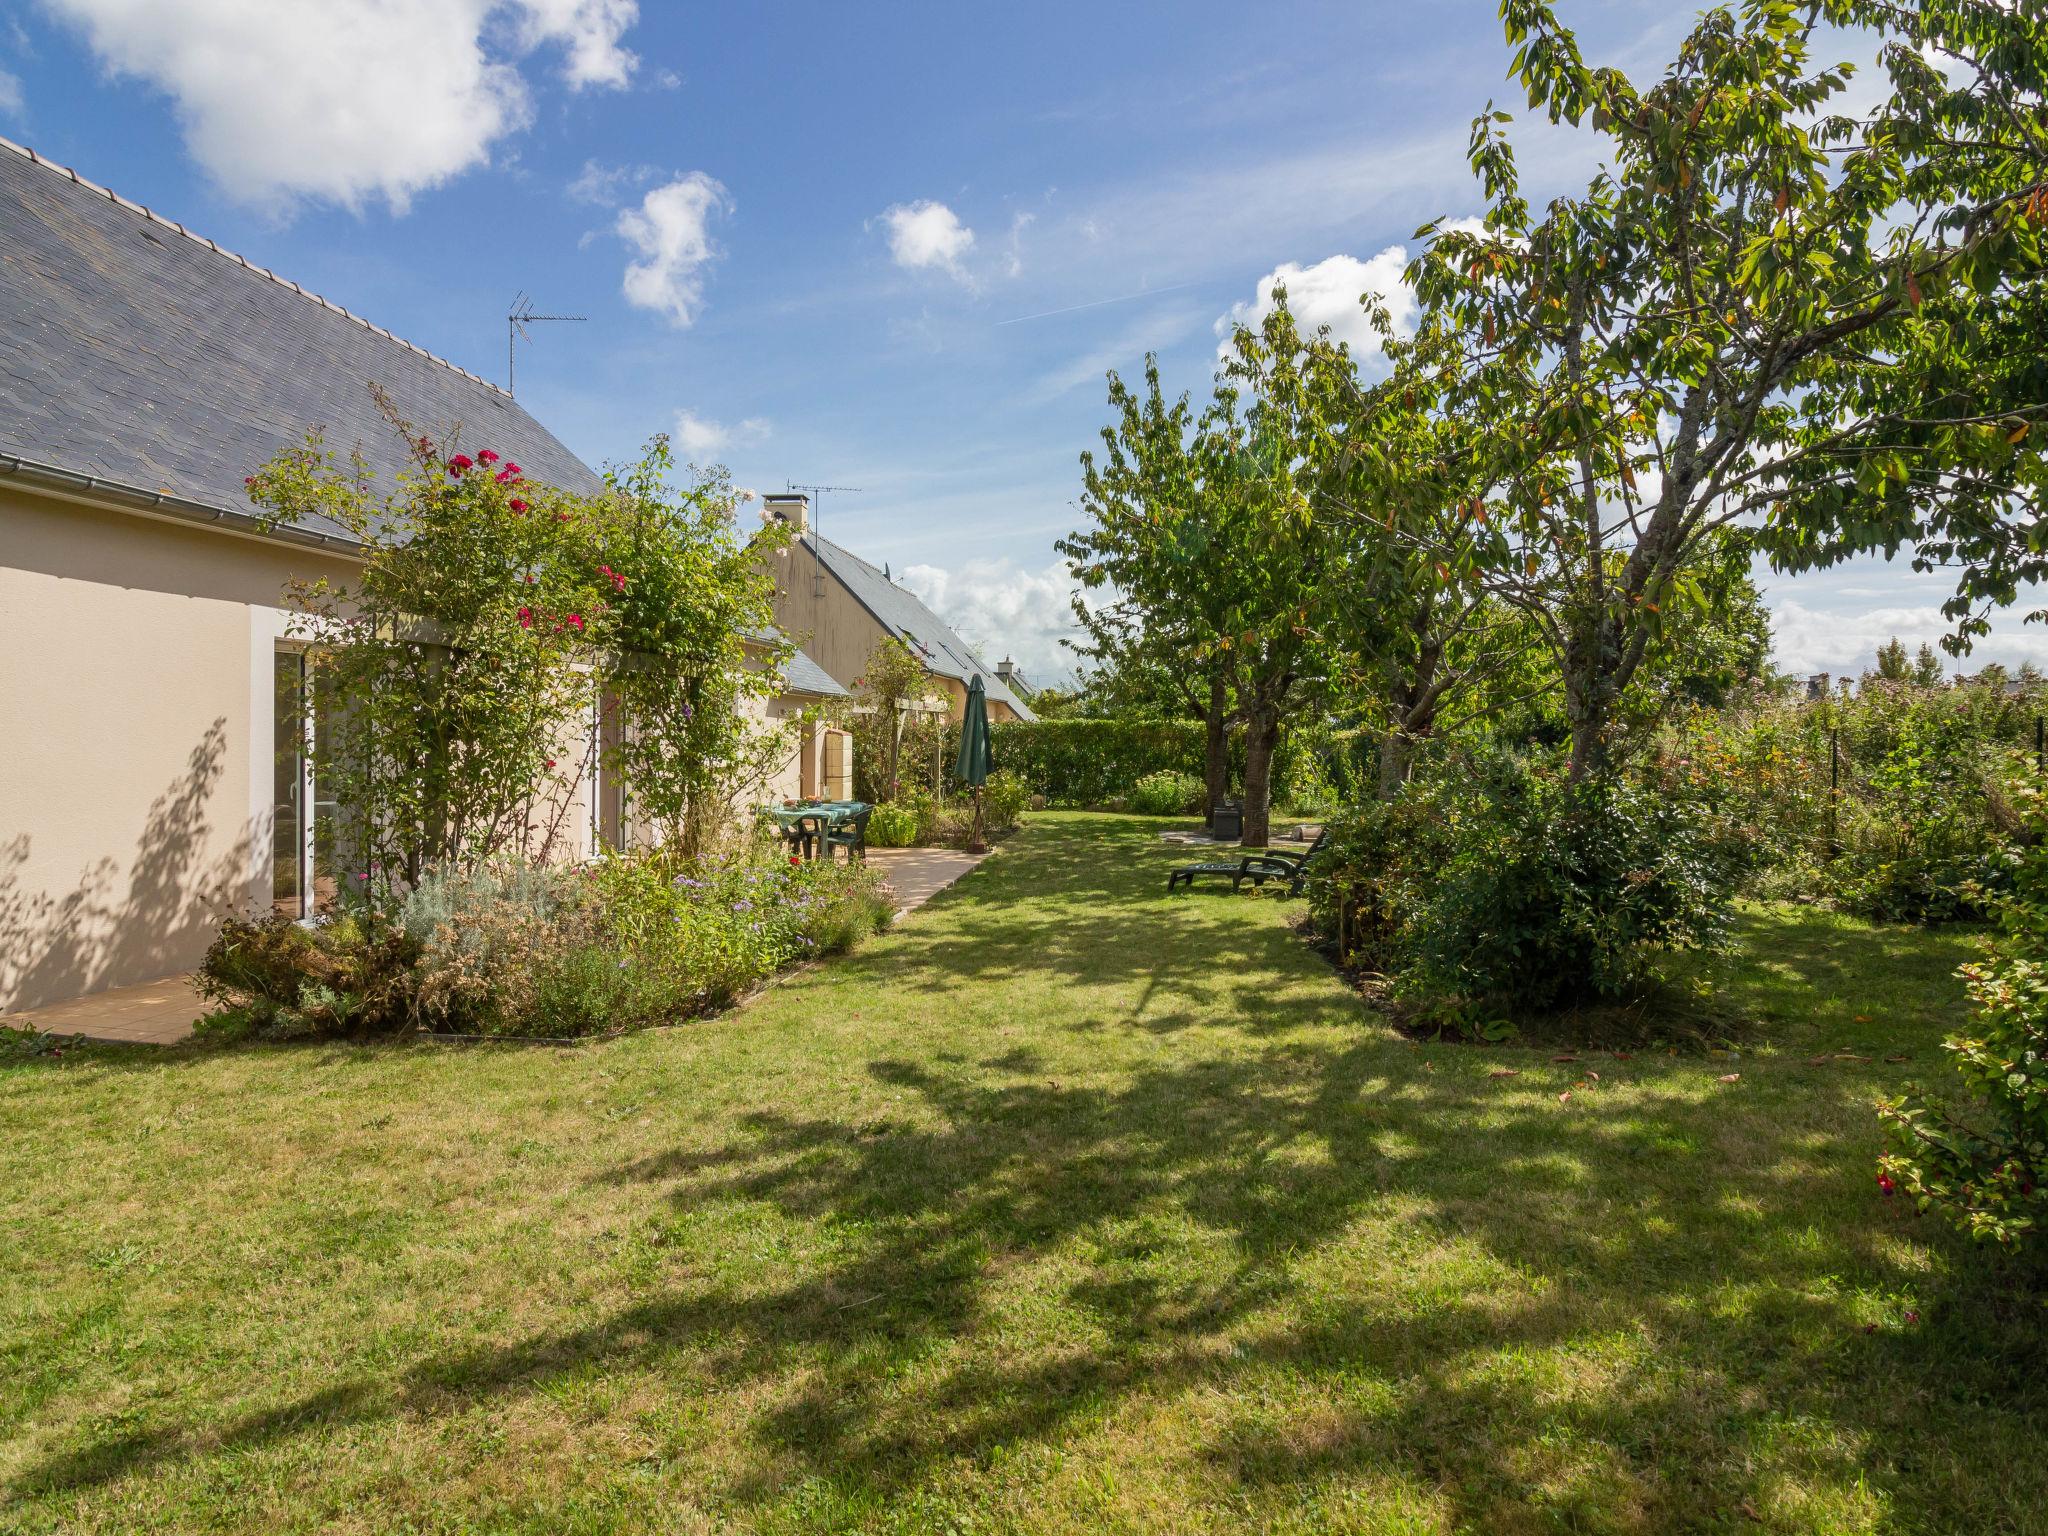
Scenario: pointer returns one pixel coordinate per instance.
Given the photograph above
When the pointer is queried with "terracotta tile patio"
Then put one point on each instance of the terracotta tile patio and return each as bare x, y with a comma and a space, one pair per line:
916, 875
149, 1013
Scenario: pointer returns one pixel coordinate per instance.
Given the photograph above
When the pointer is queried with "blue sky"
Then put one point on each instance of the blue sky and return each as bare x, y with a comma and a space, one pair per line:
885, 246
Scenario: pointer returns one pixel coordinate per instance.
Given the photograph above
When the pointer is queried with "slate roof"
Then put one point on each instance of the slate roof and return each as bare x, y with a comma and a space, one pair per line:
140, 353
804, 675
904, 616
800, 674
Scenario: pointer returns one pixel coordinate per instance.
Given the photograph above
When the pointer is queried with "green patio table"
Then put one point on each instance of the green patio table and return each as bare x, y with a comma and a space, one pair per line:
835, 812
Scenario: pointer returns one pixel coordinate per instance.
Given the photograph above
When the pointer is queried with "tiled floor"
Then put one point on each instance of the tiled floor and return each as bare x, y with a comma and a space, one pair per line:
149, 1013
161, 1012
918, 874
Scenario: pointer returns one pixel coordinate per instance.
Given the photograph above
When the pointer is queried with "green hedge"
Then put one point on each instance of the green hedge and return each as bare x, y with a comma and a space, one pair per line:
1090, 762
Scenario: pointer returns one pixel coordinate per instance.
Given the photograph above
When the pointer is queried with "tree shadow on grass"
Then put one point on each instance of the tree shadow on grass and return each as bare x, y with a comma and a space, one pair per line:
1358, 1259
1179, 1220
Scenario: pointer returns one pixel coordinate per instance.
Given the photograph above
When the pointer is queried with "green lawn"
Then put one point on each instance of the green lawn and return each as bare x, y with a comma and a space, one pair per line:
1066, 1207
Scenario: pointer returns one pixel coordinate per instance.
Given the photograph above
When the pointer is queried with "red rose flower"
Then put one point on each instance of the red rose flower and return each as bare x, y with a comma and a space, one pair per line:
459, 463
513, 469
1885, 1184
575, 621
526, 618
549, 763
487, 457
516, 504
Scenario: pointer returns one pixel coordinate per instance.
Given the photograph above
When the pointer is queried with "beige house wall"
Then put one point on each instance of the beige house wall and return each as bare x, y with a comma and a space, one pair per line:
135, 702
826, 621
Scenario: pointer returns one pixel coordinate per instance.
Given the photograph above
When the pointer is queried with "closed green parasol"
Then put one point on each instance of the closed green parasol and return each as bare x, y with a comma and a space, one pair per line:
971, 767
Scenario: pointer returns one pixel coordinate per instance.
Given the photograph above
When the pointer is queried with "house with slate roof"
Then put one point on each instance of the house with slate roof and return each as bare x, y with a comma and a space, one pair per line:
144, 372
838, 607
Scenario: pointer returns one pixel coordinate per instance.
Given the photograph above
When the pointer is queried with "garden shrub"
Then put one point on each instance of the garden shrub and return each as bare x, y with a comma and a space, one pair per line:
1510, 889
1983, 1162
1372, 872
1888, 802
1560, 894
1920, 843
274, 976
893, 825
1003, 799
510, 948
1167, 794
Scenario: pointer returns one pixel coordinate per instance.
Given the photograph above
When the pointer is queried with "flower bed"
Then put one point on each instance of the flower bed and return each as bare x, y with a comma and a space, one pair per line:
523, 950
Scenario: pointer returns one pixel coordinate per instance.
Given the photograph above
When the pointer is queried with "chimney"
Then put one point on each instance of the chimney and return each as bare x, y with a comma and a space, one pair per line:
791, 507
1006, 669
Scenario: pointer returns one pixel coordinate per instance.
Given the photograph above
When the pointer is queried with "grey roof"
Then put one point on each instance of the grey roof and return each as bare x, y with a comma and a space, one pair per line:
804, 675
904, 616
800, 674
137, 352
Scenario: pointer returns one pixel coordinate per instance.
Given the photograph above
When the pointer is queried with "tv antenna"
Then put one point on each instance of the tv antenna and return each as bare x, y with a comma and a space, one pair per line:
817, 495
517, 319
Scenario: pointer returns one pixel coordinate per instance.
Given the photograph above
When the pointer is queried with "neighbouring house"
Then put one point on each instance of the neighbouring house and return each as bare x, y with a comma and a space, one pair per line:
1014, 679
839, 608
144, 372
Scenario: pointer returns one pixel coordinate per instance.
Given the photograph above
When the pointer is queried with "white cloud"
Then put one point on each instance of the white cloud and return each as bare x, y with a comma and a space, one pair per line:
671, 232
608, 185
1327, 294
928, 234
589, 32
347, 101
1806, 640
1004, 611
700, 437
12, 102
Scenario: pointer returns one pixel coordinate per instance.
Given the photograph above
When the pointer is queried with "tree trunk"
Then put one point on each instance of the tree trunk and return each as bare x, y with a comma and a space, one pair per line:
1262, 736
1215, 749
1397, 754
1589, 697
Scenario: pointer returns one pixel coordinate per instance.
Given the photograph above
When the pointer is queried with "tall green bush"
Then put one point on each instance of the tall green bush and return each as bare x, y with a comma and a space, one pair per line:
1981, 1158
1511, 888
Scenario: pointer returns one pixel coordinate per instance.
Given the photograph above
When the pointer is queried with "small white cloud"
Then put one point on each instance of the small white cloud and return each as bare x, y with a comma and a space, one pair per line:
670, 231
608, 185
927, 234
12, 102
700, 437
348, 101
1002, 610
1327, 294
589, 32
1013, 258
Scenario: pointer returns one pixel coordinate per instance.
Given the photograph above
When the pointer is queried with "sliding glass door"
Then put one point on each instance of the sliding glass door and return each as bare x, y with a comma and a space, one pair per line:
306, 822
290, 847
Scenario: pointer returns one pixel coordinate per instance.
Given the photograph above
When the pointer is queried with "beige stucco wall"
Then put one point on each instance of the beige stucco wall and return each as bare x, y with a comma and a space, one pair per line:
824, 619
135, 784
